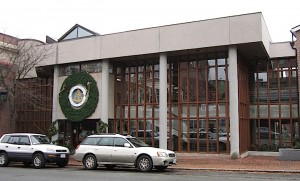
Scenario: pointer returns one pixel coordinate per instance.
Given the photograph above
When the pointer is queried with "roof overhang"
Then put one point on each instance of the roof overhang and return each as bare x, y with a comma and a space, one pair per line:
295, 29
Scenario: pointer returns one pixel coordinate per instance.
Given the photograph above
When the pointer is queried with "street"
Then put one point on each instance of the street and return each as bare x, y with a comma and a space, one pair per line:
52, 173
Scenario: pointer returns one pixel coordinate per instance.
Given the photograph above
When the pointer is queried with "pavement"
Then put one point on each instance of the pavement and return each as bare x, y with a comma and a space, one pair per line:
209, 162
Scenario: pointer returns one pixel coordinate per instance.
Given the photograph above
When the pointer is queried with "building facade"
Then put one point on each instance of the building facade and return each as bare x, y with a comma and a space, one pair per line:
25, 98
212, 86
8, 46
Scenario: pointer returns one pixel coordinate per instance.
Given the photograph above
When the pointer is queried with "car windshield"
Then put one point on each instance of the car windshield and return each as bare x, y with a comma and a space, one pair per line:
39, 139
137, 142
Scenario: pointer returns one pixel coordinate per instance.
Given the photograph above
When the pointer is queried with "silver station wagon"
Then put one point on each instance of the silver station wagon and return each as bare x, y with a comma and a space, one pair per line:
113, 150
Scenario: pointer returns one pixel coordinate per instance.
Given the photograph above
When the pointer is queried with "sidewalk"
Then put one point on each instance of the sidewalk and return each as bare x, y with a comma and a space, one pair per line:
224, 163
247, 164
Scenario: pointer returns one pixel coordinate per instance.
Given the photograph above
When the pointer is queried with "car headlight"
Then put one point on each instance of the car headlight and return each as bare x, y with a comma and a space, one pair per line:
50, 150
162, 154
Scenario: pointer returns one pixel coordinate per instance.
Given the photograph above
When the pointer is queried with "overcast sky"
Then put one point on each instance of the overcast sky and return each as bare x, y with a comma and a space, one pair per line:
38, 18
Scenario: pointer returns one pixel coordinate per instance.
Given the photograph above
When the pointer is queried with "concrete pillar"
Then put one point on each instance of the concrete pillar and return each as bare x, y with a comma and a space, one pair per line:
233, 102
55, 103
104, 92
56, 89
163, 102
55, 93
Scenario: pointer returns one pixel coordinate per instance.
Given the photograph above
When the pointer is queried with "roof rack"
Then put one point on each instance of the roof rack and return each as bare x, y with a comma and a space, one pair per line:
105, 133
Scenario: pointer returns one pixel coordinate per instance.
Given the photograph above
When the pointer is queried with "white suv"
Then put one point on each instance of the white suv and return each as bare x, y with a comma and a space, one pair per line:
31, 149
112, 150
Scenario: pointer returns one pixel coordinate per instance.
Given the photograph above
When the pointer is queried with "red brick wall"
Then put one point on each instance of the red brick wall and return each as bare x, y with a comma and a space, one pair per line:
8, 39
297, 46
3, 120
4, 124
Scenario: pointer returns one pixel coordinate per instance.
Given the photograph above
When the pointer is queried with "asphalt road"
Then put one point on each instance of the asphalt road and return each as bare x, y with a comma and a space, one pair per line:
52, 173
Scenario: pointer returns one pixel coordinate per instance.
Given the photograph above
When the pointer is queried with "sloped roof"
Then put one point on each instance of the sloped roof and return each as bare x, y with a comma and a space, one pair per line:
295, 29
77, 31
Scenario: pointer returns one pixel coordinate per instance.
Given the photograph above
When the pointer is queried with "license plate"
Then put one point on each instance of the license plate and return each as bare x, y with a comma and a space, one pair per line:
63, 156
174, 161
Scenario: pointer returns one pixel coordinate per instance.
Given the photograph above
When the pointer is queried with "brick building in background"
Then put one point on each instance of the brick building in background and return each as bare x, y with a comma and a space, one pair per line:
296, 44
8, 46
30, 88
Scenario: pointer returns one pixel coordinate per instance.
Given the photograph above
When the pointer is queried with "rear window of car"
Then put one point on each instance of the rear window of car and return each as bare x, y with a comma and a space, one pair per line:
91, 141
24, 140
106, 141
5, 139
13, 139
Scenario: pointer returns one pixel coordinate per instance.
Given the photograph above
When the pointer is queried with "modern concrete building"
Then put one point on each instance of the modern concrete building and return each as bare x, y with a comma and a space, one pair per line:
211, 86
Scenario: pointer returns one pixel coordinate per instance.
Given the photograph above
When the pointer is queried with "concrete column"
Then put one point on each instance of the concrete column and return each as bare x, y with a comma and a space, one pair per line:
55, 103
233, 103
56, 89
55, 93
163, 102
104, 92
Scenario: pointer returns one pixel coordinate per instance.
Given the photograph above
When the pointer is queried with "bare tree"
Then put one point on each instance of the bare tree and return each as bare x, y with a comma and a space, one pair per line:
18, 61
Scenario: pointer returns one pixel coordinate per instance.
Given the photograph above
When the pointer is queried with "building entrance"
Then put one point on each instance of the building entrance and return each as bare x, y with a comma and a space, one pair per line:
71, 133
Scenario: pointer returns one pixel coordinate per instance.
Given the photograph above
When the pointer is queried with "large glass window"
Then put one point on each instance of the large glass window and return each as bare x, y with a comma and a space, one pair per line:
274, 104
197, 97
90, 67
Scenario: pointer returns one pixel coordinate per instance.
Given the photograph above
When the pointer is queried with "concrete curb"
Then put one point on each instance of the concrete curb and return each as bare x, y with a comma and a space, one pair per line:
236, 170
216, 169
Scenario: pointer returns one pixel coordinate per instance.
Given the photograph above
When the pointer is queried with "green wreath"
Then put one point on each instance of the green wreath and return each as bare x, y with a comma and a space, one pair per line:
83, 81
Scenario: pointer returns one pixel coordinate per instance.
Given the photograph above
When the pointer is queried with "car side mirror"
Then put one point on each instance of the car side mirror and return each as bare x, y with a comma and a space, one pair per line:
127, 145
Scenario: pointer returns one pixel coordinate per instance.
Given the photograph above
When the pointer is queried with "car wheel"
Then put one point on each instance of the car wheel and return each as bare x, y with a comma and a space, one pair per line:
62, 163
27, 164
161, 168
38, 160
3, 160
90, 162
144, 163
110, 167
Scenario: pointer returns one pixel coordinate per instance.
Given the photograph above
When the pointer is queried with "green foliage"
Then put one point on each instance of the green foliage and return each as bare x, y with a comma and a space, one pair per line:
102, 127
86, 110
264, 147
253, 147
53, 129
297, 145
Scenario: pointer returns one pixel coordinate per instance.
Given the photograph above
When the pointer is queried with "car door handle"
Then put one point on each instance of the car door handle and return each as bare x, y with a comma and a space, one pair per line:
6, 146
19, 147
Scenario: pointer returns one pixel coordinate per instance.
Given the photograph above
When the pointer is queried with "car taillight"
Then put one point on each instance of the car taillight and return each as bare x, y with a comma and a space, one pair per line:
77, 147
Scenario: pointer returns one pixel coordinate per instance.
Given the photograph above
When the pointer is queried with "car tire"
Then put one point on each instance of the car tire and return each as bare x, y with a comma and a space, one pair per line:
27, 164
3, 159
144, 163
110, 167
161, 168
62, 163
38, 160
90, 162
